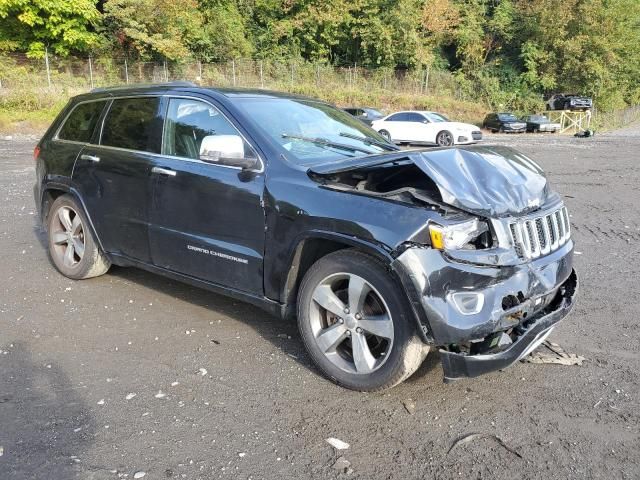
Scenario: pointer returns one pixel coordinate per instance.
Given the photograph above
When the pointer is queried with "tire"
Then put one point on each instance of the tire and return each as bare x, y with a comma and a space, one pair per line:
536, 130
388, 349
501, 130
444, 139
72, 247
386, 135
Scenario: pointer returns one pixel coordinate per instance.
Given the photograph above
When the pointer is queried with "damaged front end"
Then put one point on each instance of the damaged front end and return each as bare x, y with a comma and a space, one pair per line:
490, 272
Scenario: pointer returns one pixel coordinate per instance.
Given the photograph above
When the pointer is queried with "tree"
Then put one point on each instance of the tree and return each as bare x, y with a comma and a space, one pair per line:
64, 26
154, 28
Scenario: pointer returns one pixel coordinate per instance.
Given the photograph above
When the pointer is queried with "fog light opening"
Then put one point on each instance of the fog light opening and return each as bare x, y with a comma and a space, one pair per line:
468, 303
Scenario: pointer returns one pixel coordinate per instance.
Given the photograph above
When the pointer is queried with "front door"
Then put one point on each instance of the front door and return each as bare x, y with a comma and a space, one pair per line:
113, 177
207, 219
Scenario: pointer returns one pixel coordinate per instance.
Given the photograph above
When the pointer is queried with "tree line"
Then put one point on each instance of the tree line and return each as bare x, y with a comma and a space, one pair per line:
507, 48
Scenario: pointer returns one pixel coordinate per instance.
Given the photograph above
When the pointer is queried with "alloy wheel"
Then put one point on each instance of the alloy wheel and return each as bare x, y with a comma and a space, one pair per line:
445, 139
351, 323
67, 235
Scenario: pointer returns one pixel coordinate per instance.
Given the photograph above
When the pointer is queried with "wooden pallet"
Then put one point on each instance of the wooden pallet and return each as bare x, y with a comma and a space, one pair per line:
570, 121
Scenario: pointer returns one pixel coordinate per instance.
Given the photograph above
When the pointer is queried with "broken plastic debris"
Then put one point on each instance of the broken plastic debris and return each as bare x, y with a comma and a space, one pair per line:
241, 454
553, 353
139, 474
101, 402
160, 394
475, 436
130, 396
337, 443
175, 384
202, 371
1, 451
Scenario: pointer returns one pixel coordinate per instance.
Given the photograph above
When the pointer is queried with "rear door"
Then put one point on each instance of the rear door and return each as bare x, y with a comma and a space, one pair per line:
113, 177
74, 133
207, 219
399, 126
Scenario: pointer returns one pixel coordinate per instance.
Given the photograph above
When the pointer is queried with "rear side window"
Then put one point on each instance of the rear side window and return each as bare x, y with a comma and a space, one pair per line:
81, 122
398, 117
129, 124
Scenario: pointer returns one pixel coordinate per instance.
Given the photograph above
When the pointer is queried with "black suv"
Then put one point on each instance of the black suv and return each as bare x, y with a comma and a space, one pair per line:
366, 115
504, 123
294, 205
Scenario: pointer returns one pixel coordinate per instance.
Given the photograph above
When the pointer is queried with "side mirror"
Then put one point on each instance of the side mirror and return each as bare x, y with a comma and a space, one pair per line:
226, 150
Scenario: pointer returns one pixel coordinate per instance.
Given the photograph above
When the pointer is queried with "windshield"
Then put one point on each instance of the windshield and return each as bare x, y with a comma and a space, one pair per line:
312, 133
435, 117
508, 117
372, 112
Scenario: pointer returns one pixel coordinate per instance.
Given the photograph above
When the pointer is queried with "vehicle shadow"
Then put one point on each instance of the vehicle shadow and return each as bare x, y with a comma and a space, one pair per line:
40, 414
272, 328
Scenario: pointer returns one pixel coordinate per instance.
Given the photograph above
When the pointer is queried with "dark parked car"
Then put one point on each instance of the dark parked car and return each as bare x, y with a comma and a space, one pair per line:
540, 123
562, 101
295, 206
367, 115
504, 122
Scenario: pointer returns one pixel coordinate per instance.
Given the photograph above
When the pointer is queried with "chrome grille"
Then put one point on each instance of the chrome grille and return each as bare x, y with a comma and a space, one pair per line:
536, 236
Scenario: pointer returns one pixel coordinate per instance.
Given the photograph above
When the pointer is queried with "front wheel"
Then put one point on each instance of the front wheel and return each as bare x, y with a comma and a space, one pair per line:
356, 324
444, 139
72, 247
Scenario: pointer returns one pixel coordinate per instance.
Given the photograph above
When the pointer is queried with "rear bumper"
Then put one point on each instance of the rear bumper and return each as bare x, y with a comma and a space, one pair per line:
457, 365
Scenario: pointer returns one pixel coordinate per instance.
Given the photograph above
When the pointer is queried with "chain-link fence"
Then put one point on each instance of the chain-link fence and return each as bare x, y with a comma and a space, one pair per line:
17, 72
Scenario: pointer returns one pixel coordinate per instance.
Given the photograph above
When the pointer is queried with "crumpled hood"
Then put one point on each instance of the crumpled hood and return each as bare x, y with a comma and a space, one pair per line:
489, 181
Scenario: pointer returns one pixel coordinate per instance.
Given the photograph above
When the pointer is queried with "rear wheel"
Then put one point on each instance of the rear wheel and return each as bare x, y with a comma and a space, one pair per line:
386, 135
444, 139
356, 324
72, 247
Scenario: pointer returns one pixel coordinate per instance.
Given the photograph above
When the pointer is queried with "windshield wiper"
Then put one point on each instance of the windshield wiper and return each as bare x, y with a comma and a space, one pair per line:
327, 143
370, 141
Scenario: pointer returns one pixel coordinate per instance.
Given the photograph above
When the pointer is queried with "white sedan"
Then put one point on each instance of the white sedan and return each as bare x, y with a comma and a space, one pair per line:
426, 128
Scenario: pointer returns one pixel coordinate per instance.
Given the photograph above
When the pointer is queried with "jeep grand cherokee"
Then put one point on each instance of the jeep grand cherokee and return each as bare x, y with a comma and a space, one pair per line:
294, 205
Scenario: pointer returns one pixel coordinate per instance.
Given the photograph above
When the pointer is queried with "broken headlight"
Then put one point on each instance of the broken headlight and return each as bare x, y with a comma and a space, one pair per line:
471, 234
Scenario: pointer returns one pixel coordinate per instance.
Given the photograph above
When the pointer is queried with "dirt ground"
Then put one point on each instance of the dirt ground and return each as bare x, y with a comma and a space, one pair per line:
133, 373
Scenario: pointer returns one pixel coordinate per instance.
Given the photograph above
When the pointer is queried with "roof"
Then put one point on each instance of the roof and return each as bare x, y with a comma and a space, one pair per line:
180, 85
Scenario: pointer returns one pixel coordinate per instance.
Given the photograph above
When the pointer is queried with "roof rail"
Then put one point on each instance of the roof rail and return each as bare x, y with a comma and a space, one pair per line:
144, 85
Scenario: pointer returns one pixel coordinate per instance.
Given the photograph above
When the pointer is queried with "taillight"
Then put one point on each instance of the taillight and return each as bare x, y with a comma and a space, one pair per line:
36, 152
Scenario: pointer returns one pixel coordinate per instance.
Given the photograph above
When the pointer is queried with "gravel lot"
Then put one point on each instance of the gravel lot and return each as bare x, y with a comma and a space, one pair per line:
132, 373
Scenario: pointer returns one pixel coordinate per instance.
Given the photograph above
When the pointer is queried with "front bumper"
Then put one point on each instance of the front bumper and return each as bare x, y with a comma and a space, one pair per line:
432, 280
514, 128
458, 365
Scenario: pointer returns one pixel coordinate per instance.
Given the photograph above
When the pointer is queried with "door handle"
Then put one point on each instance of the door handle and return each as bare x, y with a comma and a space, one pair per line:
91, 158
163, 171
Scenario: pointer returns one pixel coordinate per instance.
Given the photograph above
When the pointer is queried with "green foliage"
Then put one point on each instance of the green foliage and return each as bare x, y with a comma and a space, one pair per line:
506, 53
64, 26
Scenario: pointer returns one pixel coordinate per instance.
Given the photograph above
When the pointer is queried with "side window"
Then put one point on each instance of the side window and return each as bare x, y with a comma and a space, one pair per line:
189, 121
81, 122
398, 117
129, 124
415, 117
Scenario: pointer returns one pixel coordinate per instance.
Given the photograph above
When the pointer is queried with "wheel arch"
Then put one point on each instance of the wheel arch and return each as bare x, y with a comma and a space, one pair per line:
50, 194
311, 247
